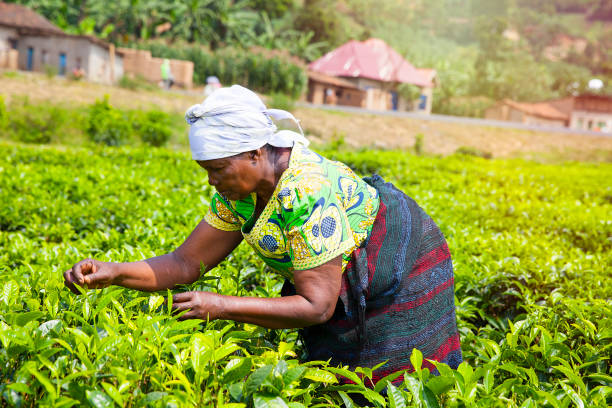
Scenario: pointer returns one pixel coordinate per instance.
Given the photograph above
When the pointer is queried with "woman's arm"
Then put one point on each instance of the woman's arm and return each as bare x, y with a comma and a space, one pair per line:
317, 294
206, 245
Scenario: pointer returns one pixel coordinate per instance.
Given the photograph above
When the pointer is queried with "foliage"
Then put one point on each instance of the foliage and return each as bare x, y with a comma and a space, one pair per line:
474, 107
135, 83
530, 247
4, 116
264, 74
107, 125
281, 101
323, 19
464, 40
27, 122
409, 92
472, 151
418, 144
32, 124
153, 127
50, 71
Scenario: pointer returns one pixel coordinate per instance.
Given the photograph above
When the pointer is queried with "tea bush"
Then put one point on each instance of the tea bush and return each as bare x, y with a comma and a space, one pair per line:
35, 123
153, 127
108, 125
531, 248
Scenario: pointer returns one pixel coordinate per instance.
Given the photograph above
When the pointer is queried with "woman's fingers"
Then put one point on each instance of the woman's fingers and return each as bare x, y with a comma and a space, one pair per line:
89, 273
80, 269
99, 279
182, 297
69, 281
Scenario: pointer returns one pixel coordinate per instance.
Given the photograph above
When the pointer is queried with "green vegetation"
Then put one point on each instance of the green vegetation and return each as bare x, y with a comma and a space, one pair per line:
479, 48
267, 74
531, 248
101, 123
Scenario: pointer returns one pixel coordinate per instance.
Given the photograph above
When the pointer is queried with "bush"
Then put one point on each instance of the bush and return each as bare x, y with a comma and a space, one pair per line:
153, 127
418, 144
4, 118
281, 101
473, 151
34, 123
107, 125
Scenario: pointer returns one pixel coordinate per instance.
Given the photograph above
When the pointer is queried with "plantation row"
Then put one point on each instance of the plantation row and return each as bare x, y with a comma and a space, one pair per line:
532, 251
100, 122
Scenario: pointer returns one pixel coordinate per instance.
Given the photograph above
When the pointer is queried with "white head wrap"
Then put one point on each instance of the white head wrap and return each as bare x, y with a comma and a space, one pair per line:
234, 120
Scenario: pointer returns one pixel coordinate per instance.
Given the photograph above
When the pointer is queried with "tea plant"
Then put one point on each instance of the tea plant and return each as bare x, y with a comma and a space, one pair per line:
531, 246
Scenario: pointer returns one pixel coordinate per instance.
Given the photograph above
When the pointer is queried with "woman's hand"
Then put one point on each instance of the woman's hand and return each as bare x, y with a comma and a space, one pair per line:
91, 274
199, 305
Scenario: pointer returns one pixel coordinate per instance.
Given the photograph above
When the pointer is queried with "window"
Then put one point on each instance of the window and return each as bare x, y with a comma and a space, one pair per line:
45, 57
13, 43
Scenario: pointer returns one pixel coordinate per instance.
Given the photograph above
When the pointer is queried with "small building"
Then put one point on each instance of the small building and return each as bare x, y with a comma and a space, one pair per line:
583, 112
140, 63
325, 89
377, 69
541, 113
30, 42
587, 112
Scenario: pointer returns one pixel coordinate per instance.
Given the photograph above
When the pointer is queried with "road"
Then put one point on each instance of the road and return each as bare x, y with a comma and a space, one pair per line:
454, 119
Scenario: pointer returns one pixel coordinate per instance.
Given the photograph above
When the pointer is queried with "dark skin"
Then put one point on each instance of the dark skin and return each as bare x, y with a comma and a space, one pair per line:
235, 177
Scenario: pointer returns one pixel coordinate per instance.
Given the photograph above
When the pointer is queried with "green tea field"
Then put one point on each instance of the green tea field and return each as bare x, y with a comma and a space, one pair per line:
531, 246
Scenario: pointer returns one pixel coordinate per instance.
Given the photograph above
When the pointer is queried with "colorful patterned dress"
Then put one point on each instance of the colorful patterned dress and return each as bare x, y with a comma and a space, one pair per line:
397, 285
319, 210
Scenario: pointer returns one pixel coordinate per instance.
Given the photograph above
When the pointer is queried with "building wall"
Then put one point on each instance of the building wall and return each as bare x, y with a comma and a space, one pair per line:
591, 121
379, 96
100, 65
8, 56
141, 63
6, 34
515, 115
534, 120
80, 53
497, 112
317, 94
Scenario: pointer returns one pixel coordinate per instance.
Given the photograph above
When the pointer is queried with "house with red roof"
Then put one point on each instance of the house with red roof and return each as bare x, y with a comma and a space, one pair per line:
377, 70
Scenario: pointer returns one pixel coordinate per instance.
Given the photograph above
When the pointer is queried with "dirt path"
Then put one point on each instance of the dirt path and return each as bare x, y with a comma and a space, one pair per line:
358, 130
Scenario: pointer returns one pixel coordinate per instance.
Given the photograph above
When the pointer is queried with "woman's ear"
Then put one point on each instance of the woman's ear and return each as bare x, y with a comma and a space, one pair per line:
255, 155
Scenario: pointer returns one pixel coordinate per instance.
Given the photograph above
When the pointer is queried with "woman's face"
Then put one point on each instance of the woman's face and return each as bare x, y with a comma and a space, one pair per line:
234, 177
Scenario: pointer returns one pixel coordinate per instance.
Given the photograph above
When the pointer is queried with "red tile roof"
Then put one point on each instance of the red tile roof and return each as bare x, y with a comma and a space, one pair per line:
21, 17
372, 59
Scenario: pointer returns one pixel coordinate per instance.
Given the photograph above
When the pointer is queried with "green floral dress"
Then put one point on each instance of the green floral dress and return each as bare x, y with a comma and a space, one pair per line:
319, 210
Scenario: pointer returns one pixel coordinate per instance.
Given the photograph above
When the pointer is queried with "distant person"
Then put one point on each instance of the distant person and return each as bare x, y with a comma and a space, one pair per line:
368, 273
212, 84
166, 74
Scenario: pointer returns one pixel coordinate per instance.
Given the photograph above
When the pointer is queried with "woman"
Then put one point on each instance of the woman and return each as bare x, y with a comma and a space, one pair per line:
368, 273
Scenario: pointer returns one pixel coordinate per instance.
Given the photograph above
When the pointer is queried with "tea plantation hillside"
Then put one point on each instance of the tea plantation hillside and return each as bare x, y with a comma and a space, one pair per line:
532, 249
